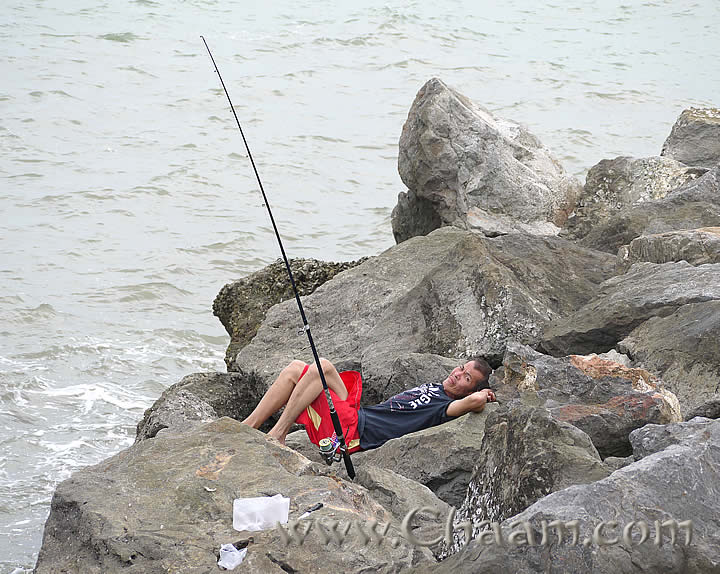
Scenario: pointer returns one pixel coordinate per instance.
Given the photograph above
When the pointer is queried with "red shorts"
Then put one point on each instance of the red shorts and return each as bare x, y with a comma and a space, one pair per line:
316, 417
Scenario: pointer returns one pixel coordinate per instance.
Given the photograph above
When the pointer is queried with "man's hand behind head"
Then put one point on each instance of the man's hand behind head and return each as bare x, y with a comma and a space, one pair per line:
478, 399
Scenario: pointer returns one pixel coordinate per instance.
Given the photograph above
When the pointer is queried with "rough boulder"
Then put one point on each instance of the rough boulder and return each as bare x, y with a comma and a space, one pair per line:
242, 304
467, 168
200, 398
683, 349
526, 454
696, 246
692, 206
695, 138
601, 397
624, 302
616, 184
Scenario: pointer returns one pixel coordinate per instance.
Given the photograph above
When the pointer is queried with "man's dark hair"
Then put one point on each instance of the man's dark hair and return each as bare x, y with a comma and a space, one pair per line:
480, 364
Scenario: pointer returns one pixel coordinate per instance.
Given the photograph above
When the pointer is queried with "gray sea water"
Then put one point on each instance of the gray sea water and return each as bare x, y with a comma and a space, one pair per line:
127, 199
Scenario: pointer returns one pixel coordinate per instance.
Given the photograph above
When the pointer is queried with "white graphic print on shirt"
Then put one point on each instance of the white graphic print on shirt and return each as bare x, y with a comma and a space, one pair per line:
415, 397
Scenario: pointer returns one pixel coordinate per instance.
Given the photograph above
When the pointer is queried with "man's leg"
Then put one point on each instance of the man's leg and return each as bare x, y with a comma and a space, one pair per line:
296, 394
305, 392
277, 395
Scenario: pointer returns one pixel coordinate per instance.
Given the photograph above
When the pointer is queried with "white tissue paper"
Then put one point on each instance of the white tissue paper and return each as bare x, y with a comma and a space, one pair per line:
231, 556
260, 513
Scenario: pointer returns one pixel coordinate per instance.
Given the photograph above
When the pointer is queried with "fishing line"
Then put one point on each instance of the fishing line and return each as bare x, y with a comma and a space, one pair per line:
306, 327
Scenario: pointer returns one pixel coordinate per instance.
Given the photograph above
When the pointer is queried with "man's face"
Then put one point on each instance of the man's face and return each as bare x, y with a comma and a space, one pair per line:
462, 380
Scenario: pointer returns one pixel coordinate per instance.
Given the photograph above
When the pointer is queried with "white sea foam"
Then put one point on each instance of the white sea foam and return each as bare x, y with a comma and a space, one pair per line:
89, 394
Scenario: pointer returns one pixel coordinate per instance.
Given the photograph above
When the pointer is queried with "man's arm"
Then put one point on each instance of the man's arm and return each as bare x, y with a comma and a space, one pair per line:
474, 402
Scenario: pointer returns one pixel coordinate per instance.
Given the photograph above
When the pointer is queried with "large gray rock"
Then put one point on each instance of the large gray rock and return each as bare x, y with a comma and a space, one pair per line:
413, 215
695, 205
654, 438
696, 246
466, 168
241, 305
683, 349
200, 398
601, 397
615, 184
400, 496
709, 409
679, 483
165, 505
526, 454
453, 293
695, 138
441, 458
625, 302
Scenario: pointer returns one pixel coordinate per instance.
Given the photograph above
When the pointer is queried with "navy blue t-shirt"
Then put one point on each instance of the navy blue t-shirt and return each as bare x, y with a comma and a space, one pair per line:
412, 410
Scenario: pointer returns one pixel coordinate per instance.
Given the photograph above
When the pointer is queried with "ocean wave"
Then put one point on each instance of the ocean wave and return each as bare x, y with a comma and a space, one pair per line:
153, 291
136, 70
30, 315
87, 394
124, 37
31, 175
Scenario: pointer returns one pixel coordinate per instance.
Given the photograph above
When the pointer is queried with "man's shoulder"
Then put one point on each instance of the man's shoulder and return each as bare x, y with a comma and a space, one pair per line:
427, 392
424, 389
438, 389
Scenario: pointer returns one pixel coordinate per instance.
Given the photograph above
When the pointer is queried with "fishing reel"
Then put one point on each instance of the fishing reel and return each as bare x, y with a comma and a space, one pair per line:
330, 450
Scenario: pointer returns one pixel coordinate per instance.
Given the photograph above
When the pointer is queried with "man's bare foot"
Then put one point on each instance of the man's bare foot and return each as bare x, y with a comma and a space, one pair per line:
275, 438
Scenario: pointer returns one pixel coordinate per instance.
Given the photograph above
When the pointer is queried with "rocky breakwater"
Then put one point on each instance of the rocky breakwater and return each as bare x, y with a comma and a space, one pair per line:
479, 269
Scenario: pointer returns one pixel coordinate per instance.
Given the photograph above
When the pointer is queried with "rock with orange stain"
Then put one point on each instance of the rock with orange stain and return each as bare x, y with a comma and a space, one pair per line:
610, 423
212, 470
604, 398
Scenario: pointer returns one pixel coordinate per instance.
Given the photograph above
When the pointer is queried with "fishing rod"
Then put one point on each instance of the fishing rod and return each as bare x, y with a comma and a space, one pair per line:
342, 446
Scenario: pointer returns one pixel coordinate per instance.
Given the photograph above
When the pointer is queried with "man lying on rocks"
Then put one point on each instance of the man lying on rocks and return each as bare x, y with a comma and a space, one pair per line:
299, 389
